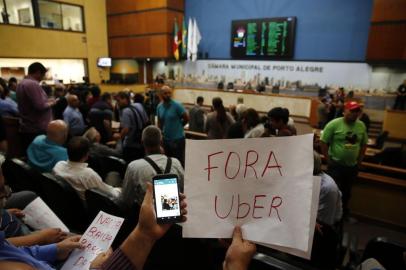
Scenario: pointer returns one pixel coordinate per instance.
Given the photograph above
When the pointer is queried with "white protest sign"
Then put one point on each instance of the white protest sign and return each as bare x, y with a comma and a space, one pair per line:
315, 205
39, 216
264, 185
97, 238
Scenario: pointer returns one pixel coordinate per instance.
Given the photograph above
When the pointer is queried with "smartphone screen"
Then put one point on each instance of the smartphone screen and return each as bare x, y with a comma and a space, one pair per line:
166, 196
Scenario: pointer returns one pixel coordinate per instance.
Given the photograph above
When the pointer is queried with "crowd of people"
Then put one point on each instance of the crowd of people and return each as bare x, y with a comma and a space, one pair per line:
62, 131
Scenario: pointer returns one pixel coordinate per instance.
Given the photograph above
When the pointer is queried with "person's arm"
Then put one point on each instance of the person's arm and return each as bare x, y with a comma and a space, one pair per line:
124, 132
326, 138
185, 118
240, 253
362, 154
136, 248
324, 150
38, 99
42, 237
96, 182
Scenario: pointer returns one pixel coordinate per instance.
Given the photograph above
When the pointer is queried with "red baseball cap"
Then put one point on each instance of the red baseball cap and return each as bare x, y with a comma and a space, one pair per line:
352, 105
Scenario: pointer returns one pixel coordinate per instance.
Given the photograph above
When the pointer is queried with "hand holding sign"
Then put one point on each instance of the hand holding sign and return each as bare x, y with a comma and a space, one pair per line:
264, 185
65, 247
240, 253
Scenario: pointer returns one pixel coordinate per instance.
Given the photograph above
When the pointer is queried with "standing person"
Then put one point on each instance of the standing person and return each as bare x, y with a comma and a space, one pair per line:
73, 117
196, 115
171, 119
343, 144
219, 121
400, 97
33, 104
132, 121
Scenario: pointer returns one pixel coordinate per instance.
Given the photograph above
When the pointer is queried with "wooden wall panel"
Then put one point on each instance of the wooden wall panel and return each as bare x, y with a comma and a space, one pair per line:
156, 46
151, 22
176, 4
387, 42
123, 6
389, 10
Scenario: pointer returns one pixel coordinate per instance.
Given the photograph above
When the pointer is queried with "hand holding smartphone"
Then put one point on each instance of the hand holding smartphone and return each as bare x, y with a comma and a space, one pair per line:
166, 198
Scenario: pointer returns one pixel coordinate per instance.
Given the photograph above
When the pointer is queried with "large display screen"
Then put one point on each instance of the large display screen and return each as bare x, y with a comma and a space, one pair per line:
271, 38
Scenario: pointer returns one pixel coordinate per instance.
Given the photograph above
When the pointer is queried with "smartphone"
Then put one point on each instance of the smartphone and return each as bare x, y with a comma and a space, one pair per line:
167, 199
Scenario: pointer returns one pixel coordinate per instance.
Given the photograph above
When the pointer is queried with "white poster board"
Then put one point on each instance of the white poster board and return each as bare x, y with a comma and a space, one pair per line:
97, 238
39, 216
265, 185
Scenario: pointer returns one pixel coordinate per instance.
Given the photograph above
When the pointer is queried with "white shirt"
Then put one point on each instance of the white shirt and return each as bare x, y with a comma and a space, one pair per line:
255, 132
139, 172
82, 178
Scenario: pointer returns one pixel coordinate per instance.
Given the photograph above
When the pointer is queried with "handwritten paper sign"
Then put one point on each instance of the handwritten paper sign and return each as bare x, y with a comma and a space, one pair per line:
39, 216
97, 238
265, 185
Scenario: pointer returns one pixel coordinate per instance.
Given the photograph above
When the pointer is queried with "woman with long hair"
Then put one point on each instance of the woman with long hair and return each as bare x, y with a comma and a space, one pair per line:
219, 121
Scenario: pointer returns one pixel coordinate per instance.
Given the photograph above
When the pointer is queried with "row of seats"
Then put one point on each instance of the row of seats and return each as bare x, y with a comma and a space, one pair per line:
59, 195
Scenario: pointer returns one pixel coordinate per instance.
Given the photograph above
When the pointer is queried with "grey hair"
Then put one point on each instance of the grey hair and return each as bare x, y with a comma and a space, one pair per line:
317, 163
151, 137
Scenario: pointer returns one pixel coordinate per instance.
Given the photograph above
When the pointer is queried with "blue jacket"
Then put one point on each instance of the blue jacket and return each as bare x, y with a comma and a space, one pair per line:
43, 154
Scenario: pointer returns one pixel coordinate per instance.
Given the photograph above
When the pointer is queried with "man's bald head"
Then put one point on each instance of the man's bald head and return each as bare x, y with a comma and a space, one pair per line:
57, 131
166, 93
73, 101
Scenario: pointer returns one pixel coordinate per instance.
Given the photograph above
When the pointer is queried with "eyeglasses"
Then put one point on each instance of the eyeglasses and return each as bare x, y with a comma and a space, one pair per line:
5, 192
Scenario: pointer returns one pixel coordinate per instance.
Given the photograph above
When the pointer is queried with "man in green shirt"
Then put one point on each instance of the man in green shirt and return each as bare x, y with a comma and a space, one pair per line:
343, 143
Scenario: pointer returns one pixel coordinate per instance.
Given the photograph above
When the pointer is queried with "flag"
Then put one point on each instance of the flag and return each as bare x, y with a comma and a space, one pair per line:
190, 39
184, 38
176, 41
196, 40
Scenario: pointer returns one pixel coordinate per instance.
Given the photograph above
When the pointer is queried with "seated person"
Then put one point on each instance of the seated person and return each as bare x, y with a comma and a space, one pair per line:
329, 214
252, 127
279, 118
76, 172
330, 206
73, 117
45, 151
38, 257
140, 171
96, 148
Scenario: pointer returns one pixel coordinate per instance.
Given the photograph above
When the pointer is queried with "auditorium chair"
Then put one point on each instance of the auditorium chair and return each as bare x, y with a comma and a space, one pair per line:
60, 196
21, 176
388, 253
106, 164
131, 220
97, 200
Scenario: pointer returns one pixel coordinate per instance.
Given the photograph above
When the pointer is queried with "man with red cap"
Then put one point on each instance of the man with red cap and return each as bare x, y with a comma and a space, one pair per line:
343, 143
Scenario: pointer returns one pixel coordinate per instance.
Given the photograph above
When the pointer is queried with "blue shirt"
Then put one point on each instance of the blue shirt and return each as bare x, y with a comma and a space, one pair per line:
73, 117
38, 257
43, 154
8, 107
171, 117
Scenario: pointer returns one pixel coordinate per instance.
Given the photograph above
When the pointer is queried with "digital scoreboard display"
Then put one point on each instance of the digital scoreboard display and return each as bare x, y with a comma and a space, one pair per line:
271, 38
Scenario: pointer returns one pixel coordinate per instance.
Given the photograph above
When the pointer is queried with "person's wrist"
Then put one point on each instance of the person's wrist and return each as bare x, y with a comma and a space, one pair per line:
142, 236
234, 265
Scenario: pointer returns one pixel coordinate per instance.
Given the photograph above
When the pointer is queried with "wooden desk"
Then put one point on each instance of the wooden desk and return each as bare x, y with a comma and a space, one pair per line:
394, 122
298, 106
